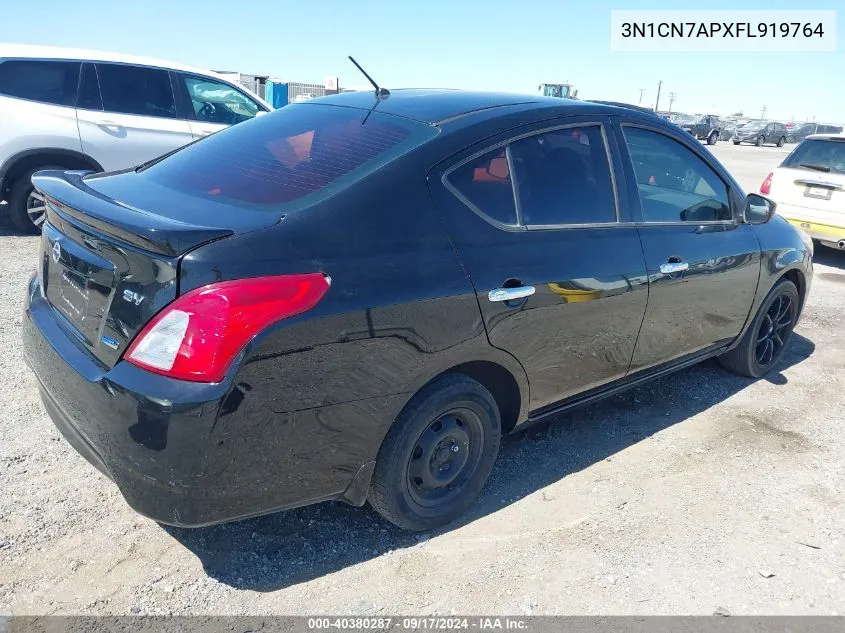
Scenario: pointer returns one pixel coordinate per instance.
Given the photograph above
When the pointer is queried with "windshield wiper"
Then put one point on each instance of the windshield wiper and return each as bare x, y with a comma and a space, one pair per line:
815, 167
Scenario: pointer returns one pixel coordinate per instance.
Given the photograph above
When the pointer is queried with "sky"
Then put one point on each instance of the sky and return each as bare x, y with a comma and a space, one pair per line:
510, 46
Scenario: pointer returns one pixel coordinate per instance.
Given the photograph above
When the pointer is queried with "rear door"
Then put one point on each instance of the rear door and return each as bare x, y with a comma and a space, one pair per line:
131, 116
540, 227
703, 266
212, 105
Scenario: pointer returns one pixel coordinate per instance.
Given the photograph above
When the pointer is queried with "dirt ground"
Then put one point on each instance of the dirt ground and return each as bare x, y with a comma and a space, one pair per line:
697, 492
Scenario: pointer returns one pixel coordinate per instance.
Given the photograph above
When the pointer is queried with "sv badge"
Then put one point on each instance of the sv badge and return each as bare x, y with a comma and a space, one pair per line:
133, 297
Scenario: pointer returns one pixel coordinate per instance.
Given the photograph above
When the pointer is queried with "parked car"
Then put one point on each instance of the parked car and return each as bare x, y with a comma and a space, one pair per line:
76, 109
706, 128
761, 133
809, 188
342, 301
801, 131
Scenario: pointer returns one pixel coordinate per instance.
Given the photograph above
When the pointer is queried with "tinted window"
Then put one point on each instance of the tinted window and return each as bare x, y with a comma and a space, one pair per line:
485, 183
136, 90
290, 153
821, 155
563, 177
217, 102
674, 183
49, 82
89, 89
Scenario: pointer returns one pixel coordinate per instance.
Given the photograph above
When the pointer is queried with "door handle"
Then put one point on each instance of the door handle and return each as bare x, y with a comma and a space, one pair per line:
670, 268
511, 294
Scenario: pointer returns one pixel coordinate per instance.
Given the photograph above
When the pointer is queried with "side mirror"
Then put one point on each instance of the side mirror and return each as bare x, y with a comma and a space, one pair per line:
758, 210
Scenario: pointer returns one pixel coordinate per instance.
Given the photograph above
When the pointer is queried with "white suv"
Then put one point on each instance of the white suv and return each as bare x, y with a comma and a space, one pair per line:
77, 109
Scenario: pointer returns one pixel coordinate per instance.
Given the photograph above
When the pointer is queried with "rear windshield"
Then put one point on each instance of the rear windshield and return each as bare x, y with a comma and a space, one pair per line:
291, 153
818, 155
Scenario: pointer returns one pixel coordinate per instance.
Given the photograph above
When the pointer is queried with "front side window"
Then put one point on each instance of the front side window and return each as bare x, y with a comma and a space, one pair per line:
218, 102
136, 90
674, 184
44, 81
563, 177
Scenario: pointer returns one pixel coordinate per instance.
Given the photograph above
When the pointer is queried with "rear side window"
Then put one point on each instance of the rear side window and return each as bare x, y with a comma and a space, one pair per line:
288, 154
818, 155
563, 177
484, 183
136, 90
45, 81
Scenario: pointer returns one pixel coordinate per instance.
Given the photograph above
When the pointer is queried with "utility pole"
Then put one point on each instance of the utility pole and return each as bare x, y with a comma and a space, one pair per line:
672, 96
657, 101
763, 112
642, 90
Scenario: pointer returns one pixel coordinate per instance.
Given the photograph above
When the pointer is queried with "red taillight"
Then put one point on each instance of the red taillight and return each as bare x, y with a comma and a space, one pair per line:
767, 184
199, 335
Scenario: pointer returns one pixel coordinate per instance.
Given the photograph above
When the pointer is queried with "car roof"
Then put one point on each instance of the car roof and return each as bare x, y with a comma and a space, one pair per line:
827, 137
53, 52
438, 106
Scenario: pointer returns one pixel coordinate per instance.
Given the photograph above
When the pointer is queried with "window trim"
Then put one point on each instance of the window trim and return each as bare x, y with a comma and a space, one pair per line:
3, 60
179, 77
520, 227
643, 221
79, 87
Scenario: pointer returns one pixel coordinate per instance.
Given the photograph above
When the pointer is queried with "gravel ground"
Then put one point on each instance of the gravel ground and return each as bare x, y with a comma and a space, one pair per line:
697, 492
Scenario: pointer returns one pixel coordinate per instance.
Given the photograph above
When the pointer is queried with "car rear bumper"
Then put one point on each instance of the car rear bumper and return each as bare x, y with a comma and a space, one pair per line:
824, 230
182, 453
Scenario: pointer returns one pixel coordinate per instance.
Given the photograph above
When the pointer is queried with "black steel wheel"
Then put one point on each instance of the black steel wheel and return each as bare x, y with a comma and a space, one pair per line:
781, 141
759, 141
437, 455
765, 341
714, 136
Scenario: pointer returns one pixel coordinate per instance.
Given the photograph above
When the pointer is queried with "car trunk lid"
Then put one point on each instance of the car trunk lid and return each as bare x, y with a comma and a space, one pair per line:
107, 265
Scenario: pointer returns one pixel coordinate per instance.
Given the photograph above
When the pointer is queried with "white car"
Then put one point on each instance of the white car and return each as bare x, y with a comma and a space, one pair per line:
809, 188
78, 109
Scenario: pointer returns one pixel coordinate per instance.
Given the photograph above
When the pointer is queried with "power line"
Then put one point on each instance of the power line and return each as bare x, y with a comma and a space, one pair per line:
642, 90
672, 96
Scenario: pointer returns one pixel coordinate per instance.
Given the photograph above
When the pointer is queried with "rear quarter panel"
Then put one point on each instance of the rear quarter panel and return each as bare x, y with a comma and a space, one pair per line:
317, 393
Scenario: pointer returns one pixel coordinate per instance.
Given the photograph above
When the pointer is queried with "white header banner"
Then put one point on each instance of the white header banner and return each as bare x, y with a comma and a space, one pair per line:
717, 31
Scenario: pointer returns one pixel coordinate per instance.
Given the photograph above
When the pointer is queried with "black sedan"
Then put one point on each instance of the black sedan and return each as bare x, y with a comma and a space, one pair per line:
353, 298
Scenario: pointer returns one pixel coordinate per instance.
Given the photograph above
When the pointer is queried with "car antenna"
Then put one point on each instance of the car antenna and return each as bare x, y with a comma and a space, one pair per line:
380, 92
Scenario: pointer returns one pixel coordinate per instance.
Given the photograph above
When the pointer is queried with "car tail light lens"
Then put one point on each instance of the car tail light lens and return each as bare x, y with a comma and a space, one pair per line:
767, 184
199, 335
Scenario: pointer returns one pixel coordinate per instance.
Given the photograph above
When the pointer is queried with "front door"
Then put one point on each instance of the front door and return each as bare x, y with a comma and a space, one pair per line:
129, 115
703, 266
560, 279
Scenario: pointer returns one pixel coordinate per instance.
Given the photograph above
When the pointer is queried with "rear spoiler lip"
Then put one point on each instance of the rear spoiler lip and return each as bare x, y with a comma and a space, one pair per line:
67, 194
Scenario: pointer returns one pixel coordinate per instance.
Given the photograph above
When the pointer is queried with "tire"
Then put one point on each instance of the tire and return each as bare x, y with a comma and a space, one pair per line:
745, 359
759, 141
450, 429
20, 202
737, 142
714, 136
781, 141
